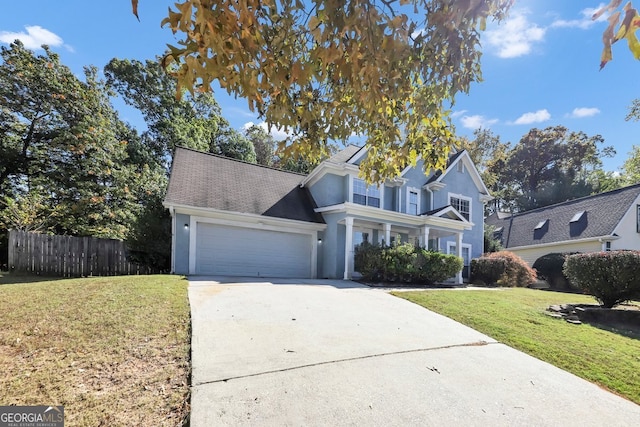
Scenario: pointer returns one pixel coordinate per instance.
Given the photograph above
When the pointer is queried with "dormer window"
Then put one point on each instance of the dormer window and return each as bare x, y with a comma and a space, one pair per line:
541, 224
578, 224
577, 217
364, 194
540, 229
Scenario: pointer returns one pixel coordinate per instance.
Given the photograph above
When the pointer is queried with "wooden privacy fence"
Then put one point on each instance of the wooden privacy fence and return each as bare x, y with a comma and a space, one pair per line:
69, 256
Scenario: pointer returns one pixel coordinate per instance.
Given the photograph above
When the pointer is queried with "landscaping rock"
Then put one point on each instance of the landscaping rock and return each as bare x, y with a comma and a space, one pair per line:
566, 312
552, 314
622, 319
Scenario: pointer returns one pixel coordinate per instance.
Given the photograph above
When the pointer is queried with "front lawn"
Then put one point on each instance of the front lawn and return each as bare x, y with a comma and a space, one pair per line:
113, 350
516, 317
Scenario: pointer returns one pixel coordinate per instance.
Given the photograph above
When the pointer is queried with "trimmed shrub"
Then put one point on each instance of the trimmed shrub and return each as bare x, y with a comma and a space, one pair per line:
502, 268
399, 262
611, 277
549, 268
487, 271
432, 267
368, 261
404, 263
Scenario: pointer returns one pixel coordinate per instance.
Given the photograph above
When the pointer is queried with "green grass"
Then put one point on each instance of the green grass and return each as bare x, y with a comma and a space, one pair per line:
112, 350
516, 317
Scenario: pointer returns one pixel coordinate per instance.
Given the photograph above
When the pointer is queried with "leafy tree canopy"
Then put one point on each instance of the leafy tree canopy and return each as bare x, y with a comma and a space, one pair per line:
263, 144
194, 120
63, 159
487, 152
549, 166
631, 167
327, 69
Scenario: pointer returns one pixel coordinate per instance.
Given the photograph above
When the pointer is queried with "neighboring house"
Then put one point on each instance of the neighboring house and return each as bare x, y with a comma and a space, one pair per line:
239, 219
602, 222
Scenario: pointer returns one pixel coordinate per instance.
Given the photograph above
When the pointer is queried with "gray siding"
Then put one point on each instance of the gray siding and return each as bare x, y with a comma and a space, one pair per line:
462, 183
181, 265
332, 248
389, 199
329, 190
415, 179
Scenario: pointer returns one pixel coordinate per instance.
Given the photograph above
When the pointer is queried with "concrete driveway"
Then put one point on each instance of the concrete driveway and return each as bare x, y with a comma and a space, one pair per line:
333, 353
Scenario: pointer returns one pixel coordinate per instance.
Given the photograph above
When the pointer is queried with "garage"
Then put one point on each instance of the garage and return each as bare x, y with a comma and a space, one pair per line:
236, 251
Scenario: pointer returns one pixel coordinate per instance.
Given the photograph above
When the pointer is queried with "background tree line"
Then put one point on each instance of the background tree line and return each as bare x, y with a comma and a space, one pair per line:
547, 166
70, 165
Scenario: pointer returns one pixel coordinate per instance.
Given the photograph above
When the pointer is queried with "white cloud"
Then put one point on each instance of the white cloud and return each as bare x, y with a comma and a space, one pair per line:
34, 38
457, 114
515, 36
529, 118
584, 22
477, 121
277, 134
581, 112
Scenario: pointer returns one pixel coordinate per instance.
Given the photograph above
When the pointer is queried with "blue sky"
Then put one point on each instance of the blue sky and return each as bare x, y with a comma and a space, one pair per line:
540, 66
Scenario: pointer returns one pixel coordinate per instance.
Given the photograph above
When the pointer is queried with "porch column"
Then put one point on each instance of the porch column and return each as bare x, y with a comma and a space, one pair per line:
459, 253
387, 234
425, 237
348, 247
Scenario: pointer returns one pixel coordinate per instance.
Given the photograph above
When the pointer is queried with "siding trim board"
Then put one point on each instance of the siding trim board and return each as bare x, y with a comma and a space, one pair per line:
564, 242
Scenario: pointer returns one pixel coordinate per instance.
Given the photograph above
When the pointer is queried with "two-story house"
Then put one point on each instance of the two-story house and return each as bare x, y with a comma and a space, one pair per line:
233, 218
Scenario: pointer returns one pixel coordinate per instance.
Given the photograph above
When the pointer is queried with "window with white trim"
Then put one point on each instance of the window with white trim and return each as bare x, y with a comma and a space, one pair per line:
364, 194
462, 204
413, 201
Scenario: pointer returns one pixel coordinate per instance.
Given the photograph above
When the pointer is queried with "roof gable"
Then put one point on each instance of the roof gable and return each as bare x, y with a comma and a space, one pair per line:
345, 155
586, 217
448, 212
209, 181
452, 163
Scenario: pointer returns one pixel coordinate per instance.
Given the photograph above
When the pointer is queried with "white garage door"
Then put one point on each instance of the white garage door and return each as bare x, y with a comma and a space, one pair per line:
235, 251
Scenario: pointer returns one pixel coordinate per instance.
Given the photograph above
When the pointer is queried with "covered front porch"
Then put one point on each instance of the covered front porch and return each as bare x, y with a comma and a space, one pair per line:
362, 230
440, 230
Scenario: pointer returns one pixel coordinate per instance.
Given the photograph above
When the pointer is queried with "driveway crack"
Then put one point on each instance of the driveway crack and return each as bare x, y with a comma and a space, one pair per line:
349, 359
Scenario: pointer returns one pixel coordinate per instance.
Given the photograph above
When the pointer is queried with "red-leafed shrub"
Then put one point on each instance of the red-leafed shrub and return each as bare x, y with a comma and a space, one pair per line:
502, 268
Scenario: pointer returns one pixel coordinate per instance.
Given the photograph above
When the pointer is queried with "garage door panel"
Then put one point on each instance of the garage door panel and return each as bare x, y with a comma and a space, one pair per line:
235, 251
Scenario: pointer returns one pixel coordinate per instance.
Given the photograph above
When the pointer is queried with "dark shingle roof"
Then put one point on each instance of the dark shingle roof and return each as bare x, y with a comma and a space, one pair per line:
603, 212
206, 180
452, 158
345, 155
